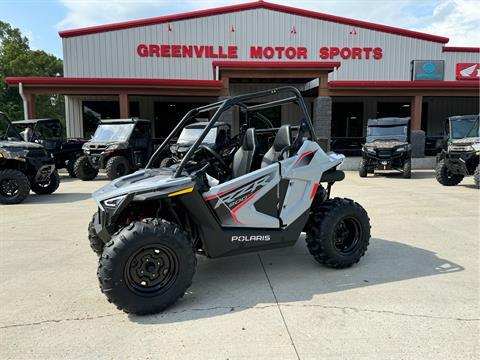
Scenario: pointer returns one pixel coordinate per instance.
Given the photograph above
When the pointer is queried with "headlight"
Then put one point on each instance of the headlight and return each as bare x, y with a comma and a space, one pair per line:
114, 202
85, 146
401, 148
117, 146
370, 150
476, 147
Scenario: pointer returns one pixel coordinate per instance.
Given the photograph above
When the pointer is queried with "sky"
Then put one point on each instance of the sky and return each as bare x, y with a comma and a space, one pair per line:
40, 20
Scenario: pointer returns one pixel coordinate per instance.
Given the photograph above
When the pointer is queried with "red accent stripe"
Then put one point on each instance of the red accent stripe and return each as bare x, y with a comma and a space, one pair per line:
305, 154
210, 197
249, 6
112, 81
403, 84
236, 208
277, 64
461, 49
314, 191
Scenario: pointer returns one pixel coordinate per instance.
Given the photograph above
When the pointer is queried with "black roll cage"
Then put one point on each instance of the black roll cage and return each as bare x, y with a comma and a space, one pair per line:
224, 105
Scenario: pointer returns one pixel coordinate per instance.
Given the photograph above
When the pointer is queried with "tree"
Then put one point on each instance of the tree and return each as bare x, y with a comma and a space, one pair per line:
17, 59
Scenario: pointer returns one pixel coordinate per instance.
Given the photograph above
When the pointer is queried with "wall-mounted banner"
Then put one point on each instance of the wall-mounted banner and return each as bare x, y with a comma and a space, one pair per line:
259, 52
428, 69
468, 71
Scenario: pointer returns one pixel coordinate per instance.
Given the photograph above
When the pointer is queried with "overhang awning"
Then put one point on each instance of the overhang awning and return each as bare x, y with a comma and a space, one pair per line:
79, 86
403, 84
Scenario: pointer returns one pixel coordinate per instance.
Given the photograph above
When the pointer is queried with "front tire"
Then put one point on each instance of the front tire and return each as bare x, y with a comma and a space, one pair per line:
338, 232
444, 177
476, 177
96, 243
362, 169
14, 186
71, 167
147, 266
117, 166
47, 187
84, 170
407, 169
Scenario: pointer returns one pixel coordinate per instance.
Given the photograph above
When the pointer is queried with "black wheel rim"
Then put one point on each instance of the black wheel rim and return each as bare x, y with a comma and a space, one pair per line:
9, 187
151, 270
346, 235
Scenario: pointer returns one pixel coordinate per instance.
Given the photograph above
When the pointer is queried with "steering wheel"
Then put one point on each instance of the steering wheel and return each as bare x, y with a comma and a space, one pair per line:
215, 154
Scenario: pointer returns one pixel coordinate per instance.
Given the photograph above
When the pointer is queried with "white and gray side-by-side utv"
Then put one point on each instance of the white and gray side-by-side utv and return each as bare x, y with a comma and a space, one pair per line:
151, 225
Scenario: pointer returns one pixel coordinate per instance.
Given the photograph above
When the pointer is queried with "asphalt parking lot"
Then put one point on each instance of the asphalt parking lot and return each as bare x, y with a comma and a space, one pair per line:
414, 295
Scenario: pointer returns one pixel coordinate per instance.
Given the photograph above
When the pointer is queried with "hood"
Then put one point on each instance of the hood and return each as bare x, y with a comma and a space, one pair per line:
104, 143
140, 181
466, 141
20, 145
385, 144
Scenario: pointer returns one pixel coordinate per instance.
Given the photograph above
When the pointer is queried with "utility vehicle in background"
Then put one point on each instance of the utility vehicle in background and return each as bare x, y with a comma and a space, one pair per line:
387, 147
24, 166
150, 225
119, 146
461, 152
50, 134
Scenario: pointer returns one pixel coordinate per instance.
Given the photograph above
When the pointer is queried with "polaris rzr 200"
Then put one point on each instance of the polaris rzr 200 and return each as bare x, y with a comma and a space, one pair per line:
151, 224
461, 154
387, 147
24, 166
119, 146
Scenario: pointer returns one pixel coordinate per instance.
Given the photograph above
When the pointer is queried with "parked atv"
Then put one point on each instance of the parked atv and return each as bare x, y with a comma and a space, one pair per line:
118, 146
387, 147
151, 224
23, 166
49, 133
461, 153
218, 138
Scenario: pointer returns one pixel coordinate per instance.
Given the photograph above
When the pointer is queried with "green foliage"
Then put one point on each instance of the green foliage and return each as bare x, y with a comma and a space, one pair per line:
17, 59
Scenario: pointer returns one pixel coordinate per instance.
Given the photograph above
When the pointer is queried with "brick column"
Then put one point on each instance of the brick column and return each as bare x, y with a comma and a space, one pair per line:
124, 110
322, 120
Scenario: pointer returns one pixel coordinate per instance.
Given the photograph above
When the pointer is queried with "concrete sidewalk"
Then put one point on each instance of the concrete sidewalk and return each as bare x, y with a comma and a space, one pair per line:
415, 295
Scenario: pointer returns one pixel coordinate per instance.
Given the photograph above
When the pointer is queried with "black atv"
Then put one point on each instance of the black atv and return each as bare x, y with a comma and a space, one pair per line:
118, 146
218, 138
387, 147
49, 133
461, 152
151, 225
23, 166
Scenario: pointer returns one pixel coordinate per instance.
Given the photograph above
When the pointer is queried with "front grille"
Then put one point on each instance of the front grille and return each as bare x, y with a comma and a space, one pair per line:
37, 153
384, 153
97, 149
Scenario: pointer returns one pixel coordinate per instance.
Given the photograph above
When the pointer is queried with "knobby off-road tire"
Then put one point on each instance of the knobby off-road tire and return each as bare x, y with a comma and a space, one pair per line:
147, 266
338, 232
14, 186
95, 242
167, 162
476, 177
84, 170
47, 187
362, 169
71, 167
444, 178
407, 169
117, 166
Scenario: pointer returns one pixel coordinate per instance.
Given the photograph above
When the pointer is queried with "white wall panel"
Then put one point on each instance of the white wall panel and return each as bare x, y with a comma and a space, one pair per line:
113, 54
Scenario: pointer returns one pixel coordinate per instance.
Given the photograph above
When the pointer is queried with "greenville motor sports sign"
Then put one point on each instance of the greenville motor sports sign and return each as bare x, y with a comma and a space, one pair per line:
258, 52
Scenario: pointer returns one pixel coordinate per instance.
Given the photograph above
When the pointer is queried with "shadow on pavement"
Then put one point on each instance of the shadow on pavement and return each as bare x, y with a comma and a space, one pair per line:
56, 198
234, 284
421, 174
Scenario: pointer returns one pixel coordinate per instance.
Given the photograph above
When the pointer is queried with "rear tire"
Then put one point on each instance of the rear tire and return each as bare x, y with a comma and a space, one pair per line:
338, 232
147, 266
407, 169
362, 170
476, 177
71, 167
444, 178
45, 188
14, 186
84, 170
117, 166
96, 243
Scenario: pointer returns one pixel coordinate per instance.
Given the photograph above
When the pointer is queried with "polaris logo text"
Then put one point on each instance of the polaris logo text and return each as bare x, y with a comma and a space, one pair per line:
245, 238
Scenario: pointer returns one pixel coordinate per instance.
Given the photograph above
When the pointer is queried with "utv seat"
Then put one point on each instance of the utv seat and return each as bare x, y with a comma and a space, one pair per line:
246, 154
282, 140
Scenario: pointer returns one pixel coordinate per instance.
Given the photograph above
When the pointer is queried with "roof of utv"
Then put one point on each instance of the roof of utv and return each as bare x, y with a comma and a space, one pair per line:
203, 124
123, 121
389, 121
33, 121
